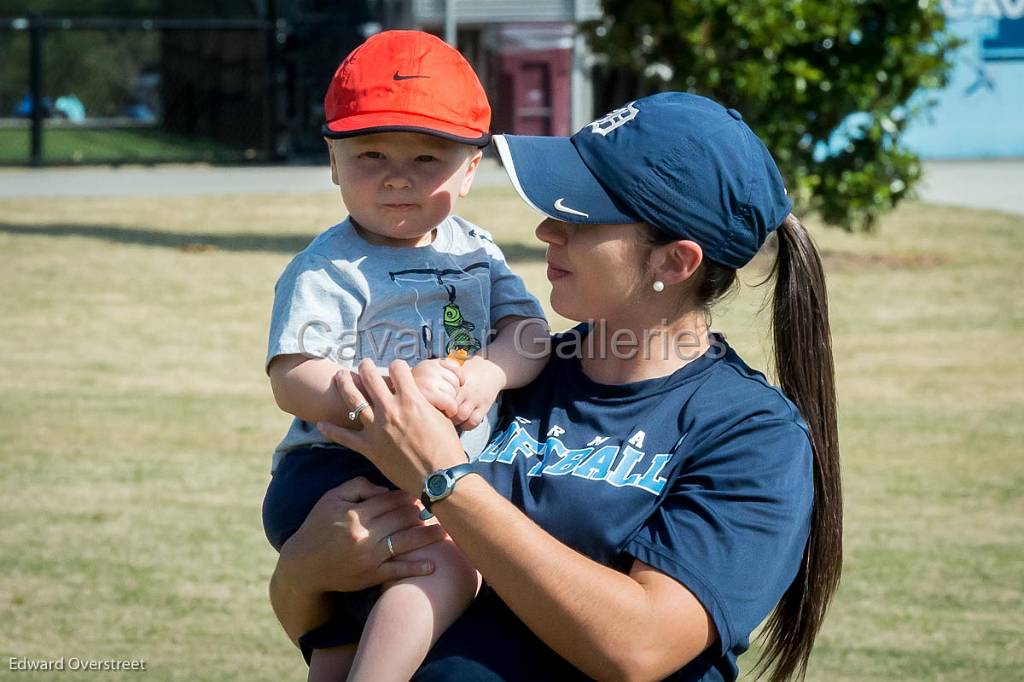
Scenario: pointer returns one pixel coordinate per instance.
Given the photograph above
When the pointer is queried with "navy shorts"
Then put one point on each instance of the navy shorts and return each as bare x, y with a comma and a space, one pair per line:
302, 477
487, 643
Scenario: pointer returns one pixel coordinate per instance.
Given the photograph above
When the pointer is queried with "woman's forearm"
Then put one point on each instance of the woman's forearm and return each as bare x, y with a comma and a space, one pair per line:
606, 623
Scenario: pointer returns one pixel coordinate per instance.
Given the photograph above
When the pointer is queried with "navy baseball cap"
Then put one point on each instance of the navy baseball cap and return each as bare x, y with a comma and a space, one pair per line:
681, 163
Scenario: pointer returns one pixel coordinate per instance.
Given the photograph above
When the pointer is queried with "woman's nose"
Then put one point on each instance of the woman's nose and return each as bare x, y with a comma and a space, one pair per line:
551, 231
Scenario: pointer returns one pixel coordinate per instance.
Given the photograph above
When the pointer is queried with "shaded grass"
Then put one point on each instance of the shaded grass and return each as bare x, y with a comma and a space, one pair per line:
137, 425
113, 145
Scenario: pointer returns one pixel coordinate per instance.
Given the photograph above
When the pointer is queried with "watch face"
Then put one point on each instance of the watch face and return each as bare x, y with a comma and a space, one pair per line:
437, 484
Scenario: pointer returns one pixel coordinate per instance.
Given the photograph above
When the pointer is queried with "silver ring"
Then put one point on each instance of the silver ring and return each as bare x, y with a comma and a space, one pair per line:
353, 416
390, 546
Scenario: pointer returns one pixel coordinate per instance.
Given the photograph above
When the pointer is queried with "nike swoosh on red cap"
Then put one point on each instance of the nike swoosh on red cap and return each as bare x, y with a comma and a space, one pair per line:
400, 77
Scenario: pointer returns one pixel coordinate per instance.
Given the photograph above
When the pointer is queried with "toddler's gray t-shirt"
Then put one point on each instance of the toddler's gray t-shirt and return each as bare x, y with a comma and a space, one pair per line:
345, 299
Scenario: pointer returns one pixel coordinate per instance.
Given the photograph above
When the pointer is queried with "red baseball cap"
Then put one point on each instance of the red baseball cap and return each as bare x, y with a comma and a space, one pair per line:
407, 81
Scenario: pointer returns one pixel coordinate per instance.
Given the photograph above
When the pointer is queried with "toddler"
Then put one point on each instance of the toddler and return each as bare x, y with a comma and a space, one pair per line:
400, 277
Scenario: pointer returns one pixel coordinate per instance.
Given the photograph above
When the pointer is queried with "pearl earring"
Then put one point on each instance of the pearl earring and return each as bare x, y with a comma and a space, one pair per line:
659, 285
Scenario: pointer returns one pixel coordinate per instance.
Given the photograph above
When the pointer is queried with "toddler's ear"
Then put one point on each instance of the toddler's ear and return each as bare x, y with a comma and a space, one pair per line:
467, 181
334, 165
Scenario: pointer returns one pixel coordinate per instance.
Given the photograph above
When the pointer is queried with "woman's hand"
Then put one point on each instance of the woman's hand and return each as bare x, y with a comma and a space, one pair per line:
342, 544
403, 434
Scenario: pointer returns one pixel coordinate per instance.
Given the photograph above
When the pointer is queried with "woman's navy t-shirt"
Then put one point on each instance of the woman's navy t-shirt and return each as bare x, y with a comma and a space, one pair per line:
705, 474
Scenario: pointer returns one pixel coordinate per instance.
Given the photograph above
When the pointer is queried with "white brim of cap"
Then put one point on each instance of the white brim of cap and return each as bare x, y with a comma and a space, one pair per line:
550, 176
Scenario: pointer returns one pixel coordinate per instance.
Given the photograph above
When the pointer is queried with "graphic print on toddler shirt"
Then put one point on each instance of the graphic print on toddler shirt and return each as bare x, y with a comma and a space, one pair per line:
458, 330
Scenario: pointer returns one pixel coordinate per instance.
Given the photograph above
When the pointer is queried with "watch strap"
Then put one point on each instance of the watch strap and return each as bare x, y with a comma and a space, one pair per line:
453, 474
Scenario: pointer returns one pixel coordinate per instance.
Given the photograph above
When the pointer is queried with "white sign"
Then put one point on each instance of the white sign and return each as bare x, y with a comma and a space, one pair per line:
983, 9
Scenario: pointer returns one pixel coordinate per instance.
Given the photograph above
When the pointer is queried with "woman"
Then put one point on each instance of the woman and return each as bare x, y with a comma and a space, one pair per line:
651, 498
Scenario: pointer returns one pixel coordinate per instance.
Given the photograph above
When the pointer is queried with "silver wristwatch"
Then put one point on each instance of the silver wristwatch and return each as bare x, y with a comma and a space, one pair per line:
440, 484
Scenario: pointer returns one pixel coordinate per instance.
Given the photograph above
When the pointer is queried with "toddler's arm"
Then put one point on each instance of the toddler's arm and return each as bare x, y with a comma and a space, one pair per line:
317, 304
513, 359
439, 379
302, 387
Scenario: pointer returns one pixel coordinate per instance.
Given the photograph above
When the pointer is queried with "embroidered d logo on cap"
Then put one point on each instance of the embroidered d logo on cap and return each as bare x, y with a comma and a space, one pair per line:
407, 81
682, 163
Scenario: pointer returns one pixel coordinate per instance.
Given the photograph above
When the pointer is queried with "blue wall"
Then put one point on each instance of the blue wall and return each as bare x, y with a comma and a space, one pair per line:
981, 112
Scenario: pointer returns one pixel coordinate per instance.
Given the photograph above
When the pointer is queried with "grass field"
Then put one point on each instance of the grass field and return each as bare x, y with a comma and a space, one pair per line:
114, 145
137, 426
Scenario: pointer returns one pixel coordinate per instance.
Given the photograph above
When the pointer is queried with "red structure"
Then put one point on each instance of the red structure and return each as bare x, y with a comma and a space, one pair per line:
534, 93
534, 81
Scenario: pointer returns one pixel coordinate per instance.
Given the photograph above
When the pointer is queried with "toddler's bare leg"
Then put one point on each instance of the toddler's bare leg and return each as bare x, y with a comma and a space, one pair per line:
412, 613
331, 665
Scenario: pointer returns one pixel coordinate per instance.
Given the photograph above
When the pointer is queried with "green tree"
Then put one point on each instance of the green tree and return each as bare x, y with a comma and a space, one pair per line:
799, 70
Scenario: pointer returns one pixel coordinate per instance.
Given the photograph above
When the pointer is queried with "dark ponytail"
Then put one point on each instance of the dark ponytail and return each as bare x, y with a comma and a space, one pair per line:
803, 366
804, 370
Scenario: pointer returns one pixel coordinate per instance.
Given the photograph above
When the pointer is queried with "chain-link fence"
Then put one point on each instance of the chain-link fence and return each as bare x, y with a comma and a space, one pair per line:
80, 90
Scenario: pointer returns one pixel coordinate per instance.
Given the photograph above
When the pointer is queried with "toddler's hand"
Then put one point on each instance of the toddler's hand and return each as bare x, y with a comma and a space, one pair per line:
439, 381
482, 381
